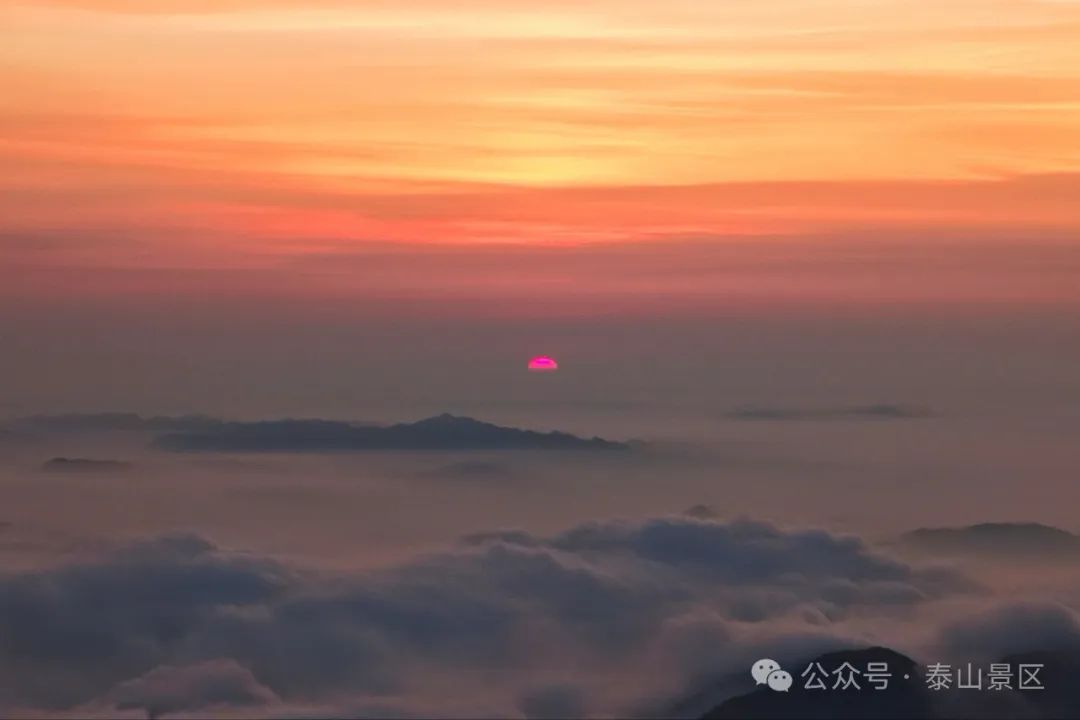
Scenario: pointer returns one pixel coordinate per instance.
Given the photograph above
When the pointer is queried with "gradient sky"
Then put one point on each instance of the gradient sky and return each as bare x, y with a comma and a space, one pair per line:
184, 133
197, 193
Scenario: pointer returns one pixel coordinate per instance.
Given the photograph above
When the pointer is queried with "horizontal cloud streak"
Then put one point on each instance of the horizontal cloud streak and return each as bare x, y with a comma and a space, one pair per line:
882, 411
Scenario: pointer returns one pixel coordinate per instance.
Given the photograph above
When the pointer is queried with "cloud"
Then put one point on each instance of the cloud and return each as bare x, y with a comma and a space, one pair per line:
70, 631
553, 701
1012, 629
1028, 632
169, 689
84, 465
813, 562
471, 470
881, 411
503, 619
114, 422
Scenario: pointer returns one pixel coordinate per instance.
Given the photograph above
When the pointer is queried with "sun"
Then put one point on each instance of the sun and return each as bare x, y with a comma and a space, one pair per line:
543, 363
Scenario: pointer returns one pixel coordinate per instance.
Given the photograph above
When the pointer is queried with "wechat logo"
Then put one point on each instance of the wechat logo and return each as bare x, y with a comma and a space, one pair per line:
768, 672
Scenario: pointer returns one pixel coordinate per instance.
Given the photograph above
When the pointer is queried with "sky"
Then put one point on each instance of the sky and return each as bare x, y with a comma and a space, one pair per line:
205, 200
189, 135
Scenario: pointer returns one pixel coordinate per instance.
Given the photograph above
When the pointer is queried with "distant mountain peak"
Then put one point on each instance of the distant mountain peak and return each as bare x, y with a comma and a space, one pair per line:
996, 539
445, 432
447, 419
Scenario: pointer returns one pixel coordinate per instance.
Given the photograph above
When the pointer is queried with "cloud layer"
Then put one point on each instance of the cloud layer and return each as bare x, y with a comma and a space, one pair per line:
506, 622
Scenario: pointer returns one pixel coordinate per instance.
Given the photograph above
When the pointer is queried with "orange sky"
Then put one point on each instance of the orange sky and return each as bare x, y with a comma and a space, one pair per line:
235, 133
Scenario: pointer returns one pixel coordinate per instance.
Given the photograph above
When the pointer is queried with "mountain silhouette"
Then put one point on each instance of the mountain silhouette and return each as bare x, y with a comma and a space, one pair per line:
902, 699
994, 539
443, 432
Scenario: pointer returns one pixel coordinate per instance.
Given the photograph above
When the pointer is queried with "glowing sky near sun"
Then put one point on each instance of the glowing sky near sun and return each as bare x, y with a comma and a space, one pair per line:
237, 133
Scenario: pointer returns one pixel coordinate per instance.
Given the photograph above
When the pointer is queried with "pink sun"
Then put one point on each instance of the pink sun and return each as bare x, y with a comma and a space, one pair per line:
543, 363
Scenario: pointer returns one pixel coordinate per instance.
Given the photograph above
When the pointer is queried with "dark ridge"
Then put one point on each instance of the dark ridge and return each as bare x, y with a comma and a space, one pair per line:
903, 699
994, 539
444, 432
